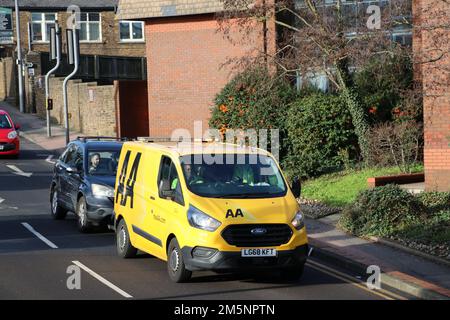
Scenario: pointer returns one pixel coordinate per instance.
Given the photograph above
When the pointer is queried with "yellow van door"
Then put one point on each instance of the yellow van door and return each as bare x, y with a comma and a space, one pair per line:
150, 226
169, 202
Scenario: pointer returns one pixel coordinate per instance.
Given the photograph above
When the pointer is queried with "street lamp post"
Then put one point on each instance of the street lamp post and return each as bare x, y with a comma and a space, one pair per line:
19, 59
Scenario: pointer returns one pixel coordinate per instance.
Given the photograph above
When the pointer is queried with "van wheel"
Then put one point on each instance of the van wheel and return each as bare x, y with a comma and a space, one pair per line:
58, 213
124, 247
292, 273
83, 224
175, 264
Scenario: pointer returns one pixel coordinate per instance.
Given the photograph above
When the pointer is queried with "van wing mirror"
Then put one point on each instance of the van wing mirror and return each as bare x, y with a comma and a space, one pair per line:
296, 187
165, 190
168, 194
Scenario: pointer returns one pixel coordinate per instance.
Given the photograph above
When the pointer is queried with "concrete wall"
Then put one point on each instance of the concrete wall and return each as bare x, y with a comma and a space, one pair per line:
91, 107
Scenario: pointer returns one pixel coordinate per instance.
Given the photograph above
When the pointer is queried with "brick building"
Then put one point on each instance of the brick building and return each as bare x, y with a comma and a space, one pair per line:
432, 47
100, 33
185, 57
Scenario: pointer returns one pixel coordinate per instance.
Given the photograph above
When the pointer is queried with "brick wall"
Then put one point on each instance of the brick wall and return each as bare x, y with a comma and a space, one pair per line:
185, 57
91, 107
433, 32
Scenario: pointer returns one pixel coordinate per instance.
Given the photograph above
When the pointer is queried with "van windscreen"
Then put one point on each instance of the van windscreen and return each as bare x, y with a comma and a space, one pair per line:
233, 176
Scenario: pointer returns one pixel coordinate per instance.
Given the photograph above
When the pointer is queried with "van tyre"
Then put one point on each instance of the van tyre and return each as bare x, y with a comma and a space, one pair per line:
175, 264
124, 247
83, 224
292, 273
58, 212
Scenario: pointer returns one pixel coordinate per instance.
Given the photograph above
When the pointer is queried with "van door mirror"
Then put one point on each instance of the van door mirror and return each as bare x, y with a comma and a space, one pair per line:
170, 194
296, 187
165, 190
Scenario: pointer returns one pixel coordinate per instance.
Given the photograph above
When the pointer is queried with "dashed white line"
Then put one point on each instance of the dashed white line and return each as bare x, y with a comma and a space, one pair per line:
1, 200
102, 280
18, 171
40, 236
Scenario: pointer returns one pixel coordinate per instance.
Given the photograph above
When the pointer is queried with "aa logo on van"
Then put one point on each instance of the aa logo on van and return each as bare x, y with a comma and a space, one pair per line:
126, 183
231, 214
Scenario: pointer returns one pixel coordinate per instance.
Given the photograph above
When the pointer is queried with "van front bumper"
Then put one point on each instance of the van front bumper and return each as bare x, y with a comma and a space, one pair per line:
233, 261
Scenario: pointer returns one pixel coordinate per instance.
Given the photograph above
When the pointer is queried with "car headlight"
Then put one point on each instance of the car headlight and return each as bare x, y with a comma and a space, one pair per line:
99, 190
298, 221
201, 220
12, 135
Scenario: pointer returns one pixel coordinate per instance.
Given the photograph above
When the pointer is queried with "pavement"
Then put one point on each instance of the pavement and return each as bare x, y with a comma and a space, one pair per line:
35, 129
401, 269
336, 269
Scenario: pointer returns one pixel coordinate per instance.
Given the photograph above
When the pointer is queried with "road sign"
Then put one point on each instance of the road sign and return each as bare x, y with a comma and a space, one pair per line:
6, 29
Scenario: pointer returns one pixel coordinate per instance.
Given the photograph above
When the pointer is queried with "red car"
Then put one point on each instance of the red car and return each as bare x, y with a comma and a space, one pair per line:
9, 137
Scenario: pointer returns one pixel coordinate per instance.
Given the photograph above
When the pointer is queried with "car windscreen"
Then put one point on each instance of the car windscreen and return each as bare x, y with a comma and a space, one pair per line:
233, 176
102, 162
4, 122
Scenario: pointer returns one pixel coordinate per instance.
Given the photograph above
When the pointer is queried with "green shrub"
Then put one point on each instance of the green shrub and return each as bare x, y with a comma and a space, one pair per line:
253, 99
381, 83
382, 211
435, 201
319, 128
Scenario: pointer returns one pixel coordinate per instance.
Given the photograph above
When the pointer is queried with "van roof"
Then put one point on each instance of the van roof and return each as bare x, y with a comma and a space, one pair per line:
185, 148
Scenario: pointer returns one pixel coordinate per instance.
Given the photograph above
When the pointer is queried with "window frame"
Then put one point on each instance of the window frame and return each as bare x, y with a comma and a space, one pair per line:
88, 22
131, 39
43, 23
179, 198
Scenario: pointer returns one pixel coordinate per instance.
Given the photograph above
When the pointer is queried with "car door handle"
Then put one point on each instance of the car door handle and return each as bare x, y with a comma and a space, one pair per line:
152, 198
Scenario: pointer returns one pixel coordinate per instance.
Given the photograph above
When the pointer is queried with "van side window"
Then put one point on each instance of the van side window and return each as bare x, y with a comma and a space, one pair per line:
169, 180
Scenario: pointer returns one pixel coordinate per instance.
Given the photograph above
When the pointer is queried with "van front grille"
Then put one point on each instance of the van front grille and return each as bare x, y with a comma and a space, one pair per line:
257, 235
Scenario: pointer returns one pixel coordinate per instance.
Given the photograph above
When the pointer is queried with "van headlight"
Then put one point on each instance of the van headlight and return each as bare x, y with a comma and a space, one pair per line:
12, 135
199, 219
298, 221
99, 190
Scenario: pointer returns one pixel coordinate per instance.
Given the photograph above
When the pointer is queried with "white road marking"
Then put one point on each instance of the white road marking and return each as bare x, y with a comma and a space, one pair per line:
1, 200
18, 171
102, 280
40, 236
49, 159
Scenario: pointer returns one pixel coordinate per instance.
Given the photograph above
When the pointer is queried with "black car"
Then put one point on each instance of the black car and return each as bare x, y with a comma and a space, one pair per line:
83, 181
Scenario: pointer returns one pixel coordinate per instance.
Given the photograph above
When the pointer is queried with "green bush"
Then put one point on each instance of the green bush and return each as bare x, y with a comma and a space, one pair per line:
253, 99
435, 201
381, 82
382, 211
319, 128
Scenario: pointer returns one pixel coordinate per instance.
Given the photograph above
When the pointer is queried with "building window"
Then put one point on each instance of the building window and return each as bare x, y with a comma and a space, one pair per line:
131, 31
40, 26
90, 27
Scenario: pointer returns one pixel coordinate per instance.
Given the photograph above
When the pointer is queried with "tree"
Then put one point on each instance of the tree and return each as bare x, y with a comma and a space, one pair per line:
317, 37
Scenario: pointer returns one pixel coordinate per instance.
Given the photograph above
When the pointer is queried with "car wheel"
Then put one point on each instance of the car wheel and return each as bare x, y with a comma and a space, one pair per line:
175, 264
83, 224
124, 247
292, 273
58, 213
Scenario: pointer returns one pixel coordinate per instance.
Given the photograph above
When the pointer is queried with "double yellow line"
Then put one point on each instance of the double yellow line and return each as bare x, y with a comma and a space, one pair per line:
353, 281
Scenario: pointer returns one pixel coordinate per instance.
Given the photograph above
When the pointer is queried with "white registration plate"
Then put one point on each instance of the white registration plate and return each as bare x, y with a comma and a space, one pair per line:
259, 252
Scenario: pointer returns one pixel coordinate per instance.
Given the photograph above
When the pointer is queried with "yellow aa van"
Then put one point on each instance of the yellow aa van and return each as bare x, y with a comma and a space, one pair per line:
208, 206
